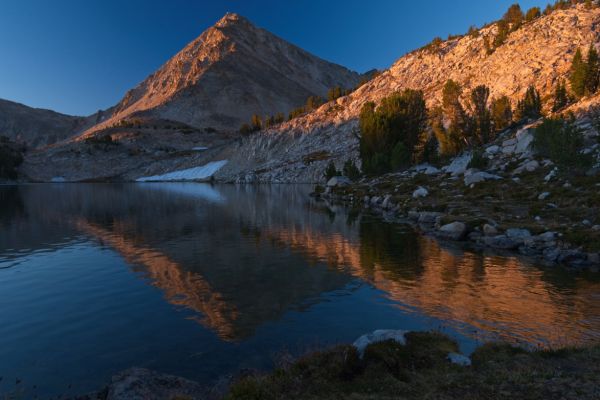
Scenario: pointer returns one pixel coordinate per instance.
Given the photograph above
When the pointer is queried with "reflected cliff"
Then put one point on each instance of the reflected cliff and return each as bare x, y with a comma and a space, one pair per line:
243, 256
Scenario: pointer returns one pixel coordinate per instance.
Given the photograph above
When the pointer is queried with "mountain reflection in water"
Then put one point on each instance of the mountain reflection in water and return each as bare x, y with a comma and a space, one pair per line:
248, 263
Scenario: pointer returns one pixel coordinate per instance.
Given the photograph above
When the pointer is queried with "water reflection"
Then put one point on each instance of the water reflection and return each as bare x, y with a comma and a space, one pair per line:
240, 257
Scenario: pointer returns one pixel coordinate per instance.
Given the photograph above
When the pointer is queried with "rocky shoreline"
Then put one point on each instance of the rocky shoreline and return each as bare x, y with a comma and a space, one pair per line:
518, 203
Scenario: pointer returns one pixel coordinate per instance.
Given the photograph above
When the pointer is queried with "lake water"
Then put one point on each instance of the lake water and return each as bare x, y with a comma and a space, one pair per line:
200, 281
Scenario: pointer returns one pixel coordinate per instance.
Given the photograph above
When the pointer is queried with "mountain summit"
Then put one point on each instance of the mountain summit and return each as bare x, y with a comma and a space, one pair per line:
233, 70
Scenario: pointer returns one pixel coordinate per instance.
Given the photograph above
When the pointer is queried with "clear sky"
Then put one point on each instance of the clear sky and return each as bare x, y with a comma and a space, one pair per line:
78, 56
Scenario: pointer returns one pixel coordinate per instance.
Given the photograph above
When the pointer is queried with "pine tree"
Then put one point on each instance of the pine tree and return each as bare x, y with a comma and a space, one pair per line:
256, 123
514, 16
578, 74
592, 71
561, 97
482, 123
530, 107
502, 114
454, 111
533, 13
502, 34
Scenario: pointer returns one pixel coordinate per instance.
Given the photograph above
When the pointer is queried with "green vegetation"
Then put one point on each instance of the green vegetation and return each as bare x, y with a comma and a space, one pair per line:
561, 97
585, 74
11, 156
481, 120
330, 171
532, 14
561, 141
391, 131
530, 107
101, 140
351, 171
420, 370
501, 113
337, 92
478, 160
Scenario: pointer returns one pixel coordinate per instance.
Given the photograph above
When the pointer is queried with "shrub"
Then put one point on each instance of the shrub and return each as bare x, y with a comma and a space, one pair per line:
11, 156
330, 171
561, 141
351, 171
479, 160
246, 129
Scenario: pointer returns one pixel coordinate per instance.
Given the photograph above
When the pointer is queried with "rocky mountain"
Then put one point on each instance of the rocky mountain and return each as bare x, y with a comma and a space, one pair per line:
38, 127
233, 70
539, 54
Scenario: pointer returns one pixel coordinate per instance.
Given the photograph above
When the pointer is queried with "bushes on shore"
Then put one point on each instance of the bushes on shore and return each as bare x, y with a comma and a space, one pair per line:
11, 156
391, 131
421, 369
562, 141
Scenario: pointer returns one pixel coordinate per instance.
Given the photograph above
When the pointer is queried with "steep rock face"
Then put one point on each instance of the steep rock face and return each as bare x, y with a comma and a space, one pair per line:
233, 70
37, 127
539, 53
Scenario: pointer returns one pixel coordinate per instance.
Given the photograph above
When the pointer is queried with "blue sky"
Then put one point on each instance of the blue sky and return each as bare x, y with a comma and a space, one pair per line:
76, 56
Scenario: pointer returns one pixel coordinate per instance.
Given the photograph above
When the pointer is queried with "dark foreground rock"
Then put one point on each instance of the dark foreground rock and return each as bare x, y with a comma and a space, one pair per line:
143, 384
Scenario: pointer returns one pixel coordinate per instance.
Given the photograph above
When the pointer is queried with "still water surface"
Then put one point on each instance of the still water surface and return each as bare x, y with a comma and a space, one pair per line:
200, 281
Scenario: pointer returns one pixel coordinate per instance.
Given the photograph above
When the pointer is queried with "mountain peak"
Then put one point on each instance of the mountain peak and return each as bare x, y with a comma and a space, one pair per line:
231, 19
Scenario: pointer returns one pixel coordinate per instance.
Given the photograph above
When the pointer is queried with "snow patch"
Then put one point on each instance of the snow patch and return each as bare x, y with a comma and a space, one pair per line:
190, 174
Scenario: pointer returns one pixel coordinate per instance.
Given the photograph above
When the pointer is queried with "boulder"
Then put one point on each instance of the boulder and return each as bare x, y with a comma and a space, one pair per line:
429, 217
493, 149
337, 181
524, 138
547, 236
515, 233
387, 202
501, 242
459, 165
477, 177
454, 231
427, 169
529, 166
381, 335
459, 359
420, 192
544, 196
490, 230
